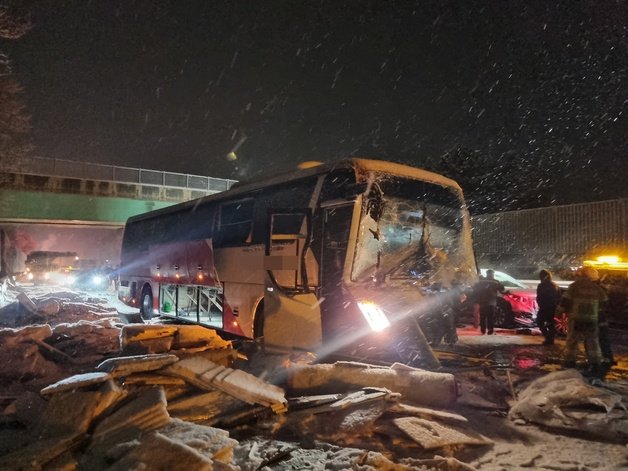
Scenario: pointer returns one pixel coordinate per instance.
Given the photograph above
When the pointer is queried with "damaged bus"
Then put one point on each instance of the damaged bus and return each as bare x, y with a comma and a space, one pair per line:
343, 257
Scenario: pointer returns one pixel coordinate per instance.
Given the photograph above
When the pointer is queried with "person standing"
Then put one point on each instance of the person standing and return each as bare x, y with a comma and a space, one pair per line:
583, 300
486, 293
547, 297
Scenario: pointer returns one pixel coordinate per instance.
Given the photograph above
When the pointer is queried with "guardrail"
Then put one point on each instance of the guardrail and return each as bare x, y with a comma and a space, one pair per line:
112, 173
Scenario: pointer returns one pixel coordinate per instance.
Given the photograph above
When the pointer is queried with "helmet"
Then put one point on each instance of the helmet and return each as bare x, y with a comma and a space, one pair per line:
590, 273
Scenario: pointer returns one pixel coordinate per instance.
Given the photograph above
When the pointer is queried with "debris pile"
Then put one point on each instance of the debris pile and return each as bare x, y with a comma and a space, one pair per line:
134, 410
21, 309
97, 394
564, 400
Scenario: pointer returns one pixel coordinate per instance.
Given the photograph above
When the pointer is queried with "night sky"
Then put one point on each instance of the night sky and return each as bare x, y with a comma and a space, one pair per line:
534, 92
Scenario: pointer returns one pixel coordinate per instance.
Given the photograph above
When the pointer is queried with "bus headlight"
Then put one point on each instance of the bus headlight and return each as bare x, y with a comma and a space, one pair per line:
374, 315
96, 280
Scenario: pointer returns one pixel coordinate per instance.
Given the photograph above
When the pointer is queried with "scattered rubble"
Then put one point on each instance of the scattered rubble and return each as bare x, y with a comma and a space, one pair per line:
100, 394
419, 386
564, 400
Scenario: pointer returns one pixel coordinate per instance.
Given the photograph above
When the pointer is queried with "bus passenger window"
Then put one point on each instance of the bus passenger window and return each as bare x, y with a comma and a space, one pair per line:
236, 223
288, 224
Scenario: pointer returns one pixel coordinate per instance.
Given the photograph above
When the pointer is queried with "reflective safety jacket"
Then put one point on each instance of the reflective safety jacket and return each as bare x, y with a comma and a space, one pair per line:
584, 299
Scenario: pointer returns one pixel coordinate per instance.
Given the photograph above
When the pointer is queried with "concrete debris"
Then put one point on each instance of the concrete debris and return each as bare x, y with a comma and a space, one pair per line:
430, 434
206, 407
63, 462
564, 400
425, 413
353, 399
49, 307
155, 451
151, 396
22, 359
40, 452
159, 338
304, 402
27, 303
153, 379
69, 412
276, 454
207, 375
10, 337
211, 442
147, 338
418, 386
195, 337
142, 413
124, 366
25, 408
76, 382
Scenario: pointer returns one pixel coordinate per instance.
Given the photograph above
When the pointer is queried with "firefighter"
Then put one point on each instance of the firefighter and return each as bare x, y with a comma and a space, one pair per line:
548, 297
583, 300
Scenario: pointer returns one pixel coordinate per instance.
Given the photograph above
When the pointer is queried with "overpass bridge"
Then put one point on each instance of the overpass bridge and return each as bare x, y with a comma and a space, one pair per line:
64, 205
64, 191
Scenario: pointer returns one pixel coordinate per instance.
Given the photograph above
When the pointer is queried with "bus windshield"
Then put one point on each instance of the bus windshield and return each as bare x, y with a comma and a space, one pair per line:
411, 229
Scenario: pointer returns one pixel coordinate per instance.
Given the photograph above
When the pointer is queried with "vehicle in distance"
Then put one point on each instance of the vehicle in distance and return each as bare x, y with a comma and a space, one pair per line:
90, 275
49, 267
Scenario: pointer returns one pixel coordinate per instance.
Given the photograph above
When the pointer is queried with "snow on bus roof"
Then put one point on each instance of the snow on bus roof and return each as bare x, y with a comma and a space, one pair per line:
404, 170
361, 165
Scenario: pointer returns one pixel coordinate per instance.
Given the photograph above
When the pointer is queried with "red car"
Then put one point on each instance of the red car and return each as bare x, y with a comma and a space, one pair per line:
518, 305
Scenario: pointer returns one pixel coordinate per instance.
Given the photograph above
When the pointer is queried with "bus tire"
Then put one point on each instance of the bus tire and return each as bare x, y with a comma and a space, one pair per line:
146, 303
258, 322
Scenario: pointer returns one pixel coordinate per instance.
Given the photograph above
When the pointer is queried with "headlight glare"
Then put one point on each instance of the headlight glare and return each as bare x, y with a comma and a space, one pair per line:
374, 315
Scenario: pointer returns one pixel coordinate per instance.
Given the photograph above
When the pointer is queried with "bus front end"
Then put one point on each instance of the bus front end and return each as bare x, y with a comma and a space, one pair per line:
409, 262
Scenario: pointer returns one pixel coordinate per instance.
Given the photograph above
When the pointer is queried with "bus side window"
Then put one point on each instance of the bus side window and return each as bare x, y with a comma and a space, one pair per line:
235, 223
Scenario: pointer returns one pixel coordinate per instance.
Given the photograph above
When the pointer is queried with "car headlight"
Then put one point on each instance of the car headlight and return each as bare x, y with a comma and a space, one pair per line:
96, 279
374, 315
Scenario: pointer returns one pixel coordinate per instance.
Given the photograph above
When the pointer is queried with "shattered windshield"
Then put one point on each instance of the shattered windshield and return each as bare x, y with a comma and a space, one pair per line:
412, 229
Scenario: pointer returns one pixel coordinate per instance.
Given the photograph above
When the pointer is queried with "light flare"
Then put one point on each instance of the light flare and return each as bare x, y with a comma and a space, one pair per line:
374, 315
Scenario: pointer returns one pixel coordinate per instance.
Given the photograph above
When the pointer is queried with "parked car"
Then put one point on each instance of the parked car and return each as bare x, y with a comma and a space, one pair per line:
518, 306
91, 276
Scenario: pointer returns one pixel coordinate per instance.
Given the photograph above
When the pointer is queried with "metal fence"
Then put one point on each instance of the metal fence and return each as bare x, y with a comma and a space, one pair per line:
113, 173
568, 229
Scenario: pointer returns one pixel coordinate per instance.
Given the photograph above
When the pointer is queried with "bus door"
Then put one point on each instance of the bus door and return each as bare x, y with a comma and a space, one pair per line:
336, 318
292, 316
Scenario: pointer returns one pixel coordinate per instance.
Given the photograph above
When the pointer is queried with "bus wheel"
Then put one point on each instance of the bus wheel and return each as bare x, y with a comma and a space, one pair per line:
146, 308
258, 322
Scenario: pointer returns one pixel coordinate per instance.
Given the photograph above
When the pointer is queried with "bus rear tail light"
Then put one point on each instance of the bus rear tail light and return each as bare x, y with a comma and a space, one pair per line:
374, 315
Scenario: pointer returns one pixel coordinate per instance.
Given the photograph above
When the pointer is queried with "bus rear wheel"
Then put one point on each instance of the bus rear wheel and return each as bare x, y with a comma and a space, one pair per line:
258, 322
146, 306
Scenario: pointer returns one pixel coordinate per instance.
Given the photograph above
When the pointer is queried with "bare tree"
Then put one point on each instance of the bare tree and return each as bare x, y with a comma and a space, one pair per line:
13, 26
14, 119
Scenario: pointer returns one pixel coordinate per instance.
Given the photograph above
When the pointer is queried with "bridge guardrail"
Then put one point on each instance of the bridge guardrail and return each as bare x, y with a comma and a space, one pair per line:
113, 173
